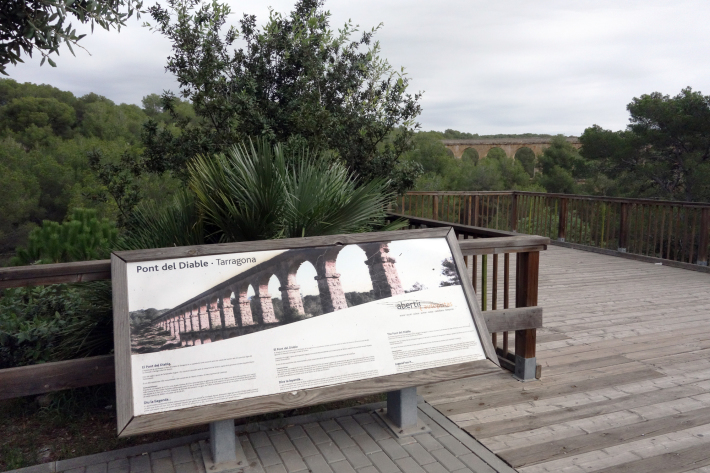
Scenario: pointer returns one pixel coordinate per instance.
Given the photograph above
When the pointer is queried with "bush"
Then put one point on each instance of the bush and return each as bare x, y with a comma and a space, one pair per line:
83, 237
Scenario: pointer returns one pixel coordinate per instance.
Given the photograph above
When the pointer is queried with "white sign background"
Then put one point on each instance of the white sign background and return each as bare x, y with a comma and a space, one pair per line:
407, 332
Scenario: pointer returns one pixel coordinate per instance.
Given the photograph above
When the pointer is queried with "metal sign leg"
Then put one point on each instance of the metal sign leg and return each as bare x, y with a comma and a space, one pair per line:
401, 415
402, 407
223, 441
225, 454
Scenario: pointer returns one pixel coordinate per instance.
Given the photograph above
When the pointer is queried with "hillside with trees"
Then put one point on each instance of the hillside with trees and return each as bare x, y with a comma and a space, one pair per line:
664, 153
54, 147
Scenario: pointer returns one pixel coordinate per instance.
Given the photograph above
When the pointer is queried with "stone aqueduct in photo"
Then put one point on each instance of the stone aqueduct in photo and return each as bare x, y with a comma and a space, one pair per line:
211, 316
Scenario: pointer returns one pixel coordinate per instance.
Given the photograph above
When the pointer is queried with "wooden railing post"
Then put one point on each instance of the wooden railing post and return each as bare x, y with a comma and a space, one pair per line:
526, 281
623, 227
562, 224
703, 237
476, 201
514, 214
435, 208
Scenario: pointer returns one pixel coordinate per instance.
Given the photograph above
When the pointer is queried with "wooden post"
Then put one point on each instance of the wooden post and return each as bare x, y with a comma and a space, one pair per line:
623, 227
514, 214
526, 282
435, 208
484, 282
562, 224
703, 237
476, 201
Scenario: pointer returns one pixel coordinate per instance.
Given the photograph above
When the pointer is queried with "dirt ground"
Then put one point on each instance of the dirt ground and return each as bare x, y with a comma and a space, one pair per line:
82, 422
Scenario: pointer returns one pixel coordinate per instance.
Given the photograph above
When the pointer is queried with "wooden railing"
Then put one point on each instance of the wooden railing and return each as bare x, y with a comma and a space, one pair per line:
669, 230
498, 298
477, 244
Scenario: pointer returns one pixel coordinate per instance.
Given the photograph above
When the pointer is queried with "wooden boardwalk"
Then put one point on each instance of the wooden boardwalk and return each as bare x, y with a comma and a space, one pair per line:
626, 373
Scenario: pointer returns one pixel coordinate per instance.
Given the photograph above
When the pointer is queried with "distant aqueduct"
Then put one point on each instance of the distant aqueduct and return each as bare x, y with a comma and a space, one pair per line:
509, 145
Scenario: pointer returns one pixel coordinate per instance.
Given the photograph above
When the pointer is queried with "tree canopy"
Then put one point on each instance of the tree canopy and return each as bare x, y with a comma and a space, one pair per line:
27, 26
294, 81
665, 150
46, 138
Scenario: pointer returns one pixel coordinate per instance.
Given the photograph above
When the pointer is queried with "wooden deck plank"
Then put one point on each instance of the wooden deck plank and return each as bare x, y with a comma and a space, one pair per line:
596, 409
626, 373
605, 438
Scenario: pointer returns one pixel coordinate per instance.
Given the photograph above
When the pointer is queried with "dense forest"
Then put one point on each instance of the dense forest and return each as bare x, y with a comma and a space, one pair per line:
663, 154
54, 148
61, 153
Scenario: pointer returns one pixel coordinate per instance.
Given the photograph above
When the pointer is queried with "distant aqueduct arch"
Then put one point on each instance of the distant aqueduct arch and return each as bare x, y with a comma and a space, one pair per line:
509, 145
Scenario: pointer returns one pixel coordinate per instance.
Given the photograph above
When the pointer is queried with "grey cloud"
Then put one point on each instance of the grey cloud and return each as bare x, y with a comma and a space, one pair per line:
511, 66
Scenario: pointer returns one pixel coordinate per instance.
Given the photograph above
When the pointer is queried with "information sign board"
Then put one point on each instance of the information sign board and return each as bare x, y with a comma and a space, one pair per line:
222, 331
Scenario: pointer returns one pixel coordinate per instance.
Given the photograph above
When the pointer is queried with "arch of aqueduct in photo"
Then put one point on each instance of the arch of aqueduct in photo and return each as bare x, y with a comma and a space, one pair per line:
210, 316
509, 145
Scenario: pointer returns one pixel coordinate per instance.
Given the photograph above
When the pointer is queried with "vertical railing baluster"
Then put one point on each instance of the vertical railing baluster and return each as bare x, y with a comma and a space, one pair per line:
670, 233
703, 237
676, 244
506, 296
692, 236
484, 282
684, 243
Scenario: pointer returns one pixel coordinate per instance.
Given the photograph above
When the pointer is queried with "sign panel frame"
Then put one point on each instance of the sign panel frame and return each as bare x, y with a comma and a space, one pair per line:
130, 424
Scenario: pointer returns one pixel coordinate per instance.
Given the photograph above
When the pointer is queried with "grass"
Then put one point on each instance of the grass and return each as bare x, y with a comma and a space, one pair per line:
80, 422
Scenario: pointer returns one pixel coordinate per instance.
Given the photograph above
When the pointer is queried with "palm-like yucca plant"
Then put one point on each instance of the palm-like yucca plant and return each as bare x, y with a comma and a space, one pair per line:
254, 192
241, 194
178, 224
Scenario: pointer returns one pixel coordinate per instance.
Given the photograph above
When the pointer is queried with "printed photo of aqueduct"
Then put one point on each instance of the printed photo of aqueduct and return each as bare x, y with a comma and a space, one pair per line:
225, 310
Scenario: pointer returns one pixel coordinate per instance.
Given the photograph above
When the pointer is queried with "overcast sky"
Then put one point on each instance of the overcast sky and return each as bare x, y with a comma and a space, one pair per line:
504, 66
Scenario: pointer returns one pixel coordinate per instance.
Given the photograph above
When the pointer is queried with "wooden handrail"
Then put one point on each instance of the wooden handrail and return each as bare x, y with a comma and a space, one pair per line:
41, 274
629, 200
49, 377
670, 230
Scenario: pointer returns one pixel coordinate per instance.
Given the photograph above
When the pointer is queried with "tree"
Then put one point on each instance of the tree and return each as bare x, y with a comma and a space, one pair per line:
470, 154
251, 193
665, 149
24, 112
43, 25
83, 237
527, 158
295, 81
561, 166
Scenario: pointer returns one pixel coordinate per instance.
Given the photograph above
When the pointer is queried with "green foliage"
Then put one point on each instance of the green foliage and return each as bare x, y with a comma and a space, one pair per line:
527, 158
177, 224
470, 155
53, 323
459, 135
83, 237
59, 152
43, 25
442, 171
546, 223
294, 81
251, 193
30, 321
664, 152
561, 166
24, 112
